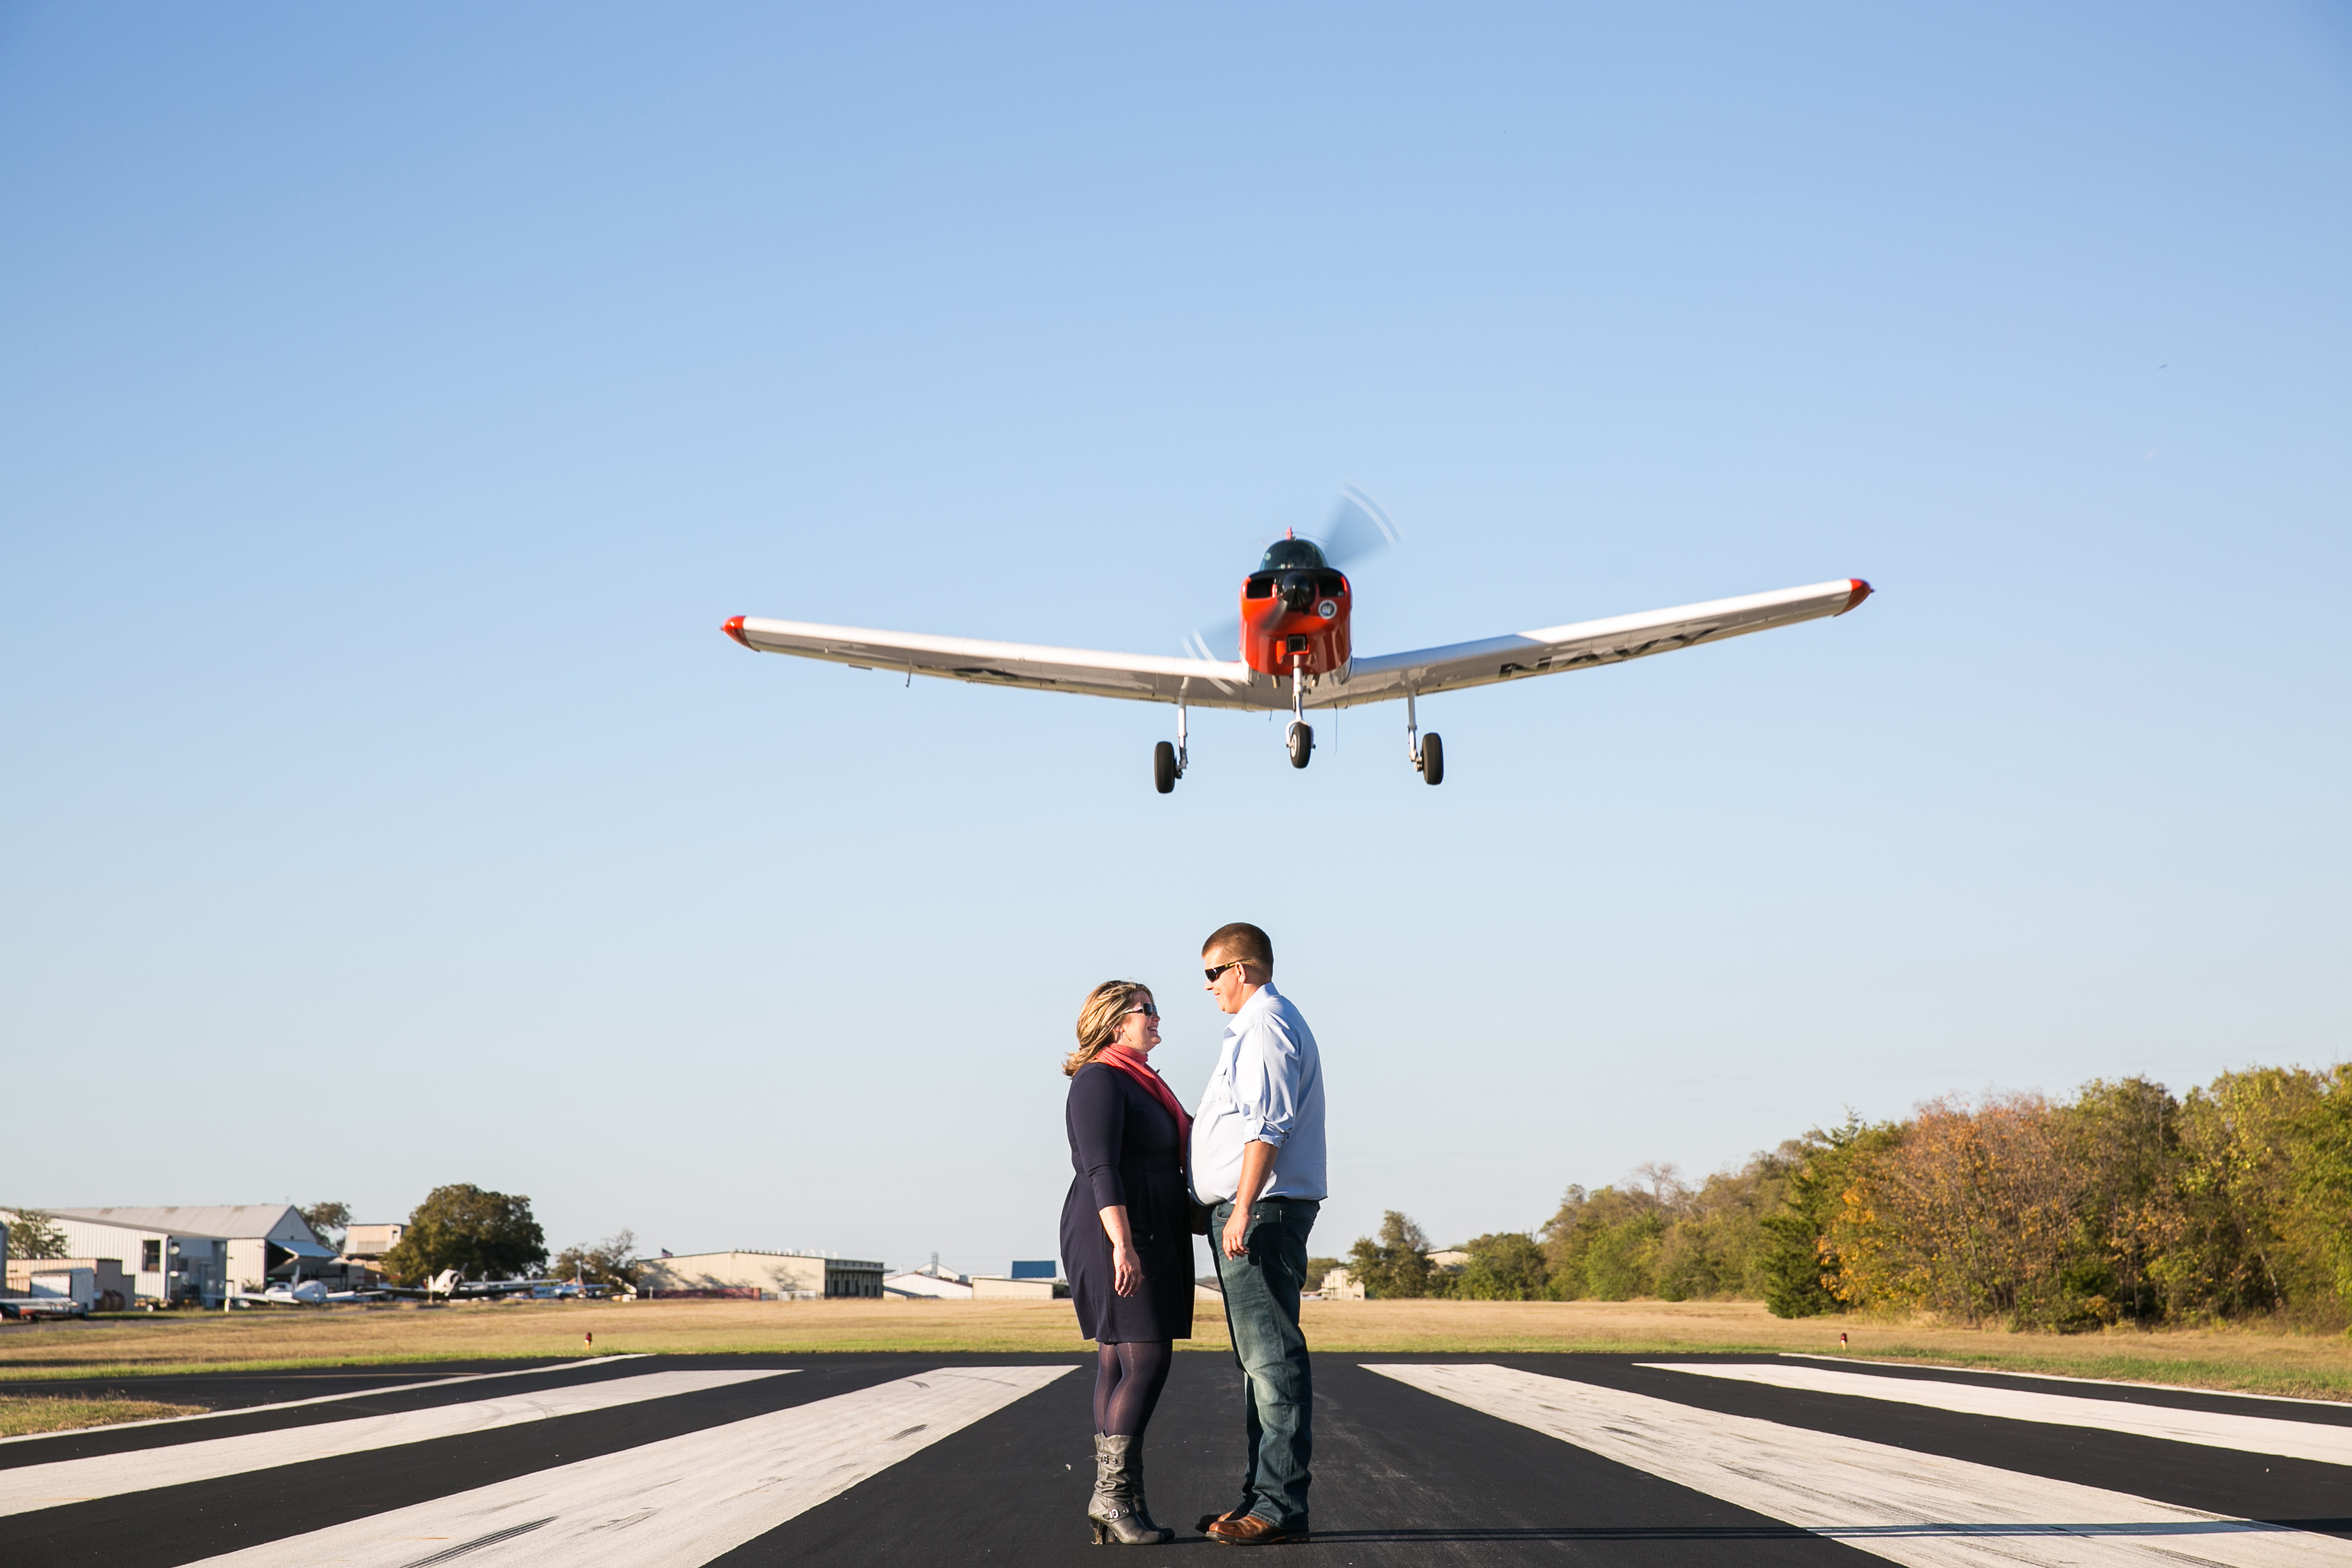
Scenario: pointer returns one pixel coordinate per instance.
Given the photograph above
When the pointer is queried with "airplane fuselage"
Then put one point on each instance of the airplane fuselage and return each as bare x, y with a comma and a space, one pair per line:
1295, 613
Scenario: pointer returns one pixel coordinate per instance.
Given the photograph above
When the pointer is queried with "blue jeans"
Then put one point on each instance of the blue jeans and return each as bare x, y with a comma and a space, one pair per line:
1261, 1290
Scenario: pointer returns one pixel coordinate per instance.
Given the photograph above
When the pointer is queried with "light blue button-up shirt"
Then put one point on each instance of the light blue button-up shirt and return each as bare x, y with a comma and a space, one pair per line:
1267, 1089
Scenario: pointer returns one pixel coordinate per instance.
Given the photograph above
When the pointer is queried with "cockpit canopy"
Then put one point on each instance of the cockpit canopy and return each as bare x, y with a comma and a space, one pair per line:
1291, 554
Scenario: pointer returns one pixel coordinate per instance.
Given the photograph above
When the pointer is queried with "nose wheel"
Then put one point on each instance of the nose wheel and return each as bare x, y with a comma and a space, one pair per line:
1302, 742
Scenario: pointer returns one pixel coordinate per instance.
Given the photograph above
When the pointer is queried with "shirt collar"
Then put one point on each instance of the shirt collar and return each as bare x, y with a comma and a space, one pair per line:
1264, 997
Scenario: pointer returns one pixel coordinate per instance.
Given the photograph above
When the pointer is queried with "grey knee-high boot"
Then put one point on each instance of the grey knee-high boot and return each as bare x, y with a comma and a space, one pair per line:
1135, 1491
1117, 1520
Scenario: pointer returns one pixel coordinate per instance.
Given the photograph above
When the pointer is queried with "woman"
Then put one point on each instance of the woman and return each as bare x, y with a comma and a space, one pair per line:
1127, 1240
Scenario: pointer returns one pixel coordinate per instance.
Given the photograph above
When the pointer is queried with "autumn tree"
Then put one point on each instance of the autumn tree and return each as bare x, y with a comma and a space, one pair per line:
1397, 1265
1507, 1266
485, 1235
611, 1261
33, 1233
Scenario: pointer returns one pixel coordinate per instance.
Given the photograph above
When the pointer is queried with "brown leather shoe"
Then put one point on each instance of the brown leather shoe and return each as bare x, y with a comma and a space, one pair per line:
1251, 1531
1238, 1511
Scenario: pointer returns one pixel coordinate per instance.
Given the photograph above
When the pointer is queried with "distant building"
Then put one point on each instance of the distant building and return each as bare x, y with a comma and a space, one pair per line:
747, 1275
929, 1282
1024, 1281
260, 1242
1340, 1286
166, 1262
99, 1284
369, 1242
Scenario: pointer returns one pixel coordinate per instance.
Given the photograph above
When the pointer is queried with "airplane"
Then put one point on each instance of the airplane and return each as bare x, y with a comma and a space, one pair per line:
1296, 610
301, 1292
451, 1285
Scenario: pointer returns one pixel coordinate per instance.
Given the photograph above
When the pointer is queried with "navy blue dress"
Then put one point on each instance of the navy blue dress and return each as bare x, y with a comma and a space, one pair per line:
1123, 1149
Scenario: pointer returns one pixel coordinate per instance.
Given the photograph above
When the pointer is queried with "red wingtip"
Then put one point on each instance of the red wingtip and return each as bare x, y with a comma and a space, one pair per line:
734, 628
1861, 592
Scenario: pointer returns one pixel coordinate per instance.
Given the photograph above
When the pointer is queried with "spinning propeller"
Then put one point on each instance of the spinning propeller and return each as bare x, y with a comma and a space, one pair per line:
1357, 527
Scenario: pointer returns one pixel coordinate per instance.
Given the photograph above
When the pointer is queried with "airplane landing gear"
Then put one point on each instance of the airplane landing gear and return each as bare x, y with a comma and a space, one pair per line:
1167, 761
1427, 751
1300, 736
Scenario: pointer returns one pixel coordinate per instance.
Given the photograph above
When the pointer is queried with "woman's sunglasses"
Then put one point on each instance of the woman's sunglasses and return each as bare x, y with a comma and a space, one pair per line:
1147, 1009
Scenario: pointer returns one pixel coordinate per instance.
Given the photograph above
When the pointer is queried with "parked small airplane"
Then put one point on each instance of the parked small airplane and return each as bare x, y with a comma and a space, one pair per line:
301, 1292
1296, 610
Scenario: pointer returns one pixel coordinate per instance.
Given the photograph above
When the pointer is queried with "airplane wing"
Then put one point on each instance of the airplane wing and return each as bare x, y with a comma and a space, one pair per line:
1580, 645
1212, 683
1141, 677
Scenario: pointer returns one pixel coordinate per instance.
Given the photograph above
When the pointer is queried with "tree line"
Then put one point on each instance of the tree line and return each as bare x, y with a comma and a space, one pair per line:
2121, 1203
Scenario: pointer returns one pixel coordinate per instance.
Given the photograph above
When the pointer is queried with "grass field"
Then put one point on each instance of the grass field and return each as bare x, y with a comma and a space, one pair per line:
2253, 1360
22, 1415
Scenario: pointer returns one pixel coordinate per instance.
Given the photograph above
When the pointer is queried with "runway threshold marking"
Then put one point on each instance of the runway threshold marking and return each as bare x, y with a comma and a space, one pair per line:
2328, 1444
2062, 1377
1921, 1510
677, 1503
324, 1398
31, 1486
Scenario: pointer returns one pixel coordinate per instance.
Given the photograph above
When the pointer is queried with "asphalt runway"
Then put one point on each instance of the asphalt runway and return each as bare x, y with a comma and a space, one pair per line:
686, 1460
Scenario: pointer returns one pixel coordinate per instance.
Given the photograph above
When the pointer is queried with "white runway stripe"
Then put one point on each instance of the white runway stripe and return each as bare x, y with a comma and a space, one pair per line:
376, 1391
676, 1503
1920, 1510
30, 1487
2248, 1434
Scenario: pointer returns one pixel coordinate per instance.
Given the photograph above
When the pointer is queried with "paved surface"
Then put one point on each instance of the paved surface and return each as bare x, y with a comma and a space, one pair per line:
743, 1460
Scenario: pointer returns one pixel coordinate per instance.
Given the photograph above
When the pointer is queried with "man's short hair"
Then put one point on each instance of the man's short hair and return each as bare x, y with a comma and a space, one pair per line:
1243, 941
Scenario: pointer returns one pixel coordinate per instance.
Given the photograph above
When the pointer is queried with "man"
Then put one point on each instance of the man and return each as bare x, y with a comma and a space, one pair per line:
1257, 1160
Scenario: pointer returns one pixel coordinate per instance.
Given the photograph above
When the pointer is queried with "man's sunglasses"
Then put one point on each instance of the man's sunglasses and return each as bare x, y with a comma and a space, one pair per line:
1229, 964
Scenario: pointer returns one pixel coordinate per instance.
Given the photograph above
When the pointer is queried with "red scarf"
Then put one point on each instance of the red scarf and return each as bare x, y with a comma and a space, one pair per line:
1141, 1070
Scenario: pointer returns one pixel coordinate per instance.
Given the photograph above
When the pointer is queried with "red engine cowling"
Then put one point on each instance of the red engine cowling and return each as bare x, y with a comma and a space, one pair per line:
1297, 618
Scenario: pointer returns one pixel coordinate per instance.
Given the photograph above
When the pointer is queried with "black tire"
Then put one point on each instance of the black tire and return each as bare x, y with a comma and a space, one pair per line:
1302, 744
1433, 759
1163, 768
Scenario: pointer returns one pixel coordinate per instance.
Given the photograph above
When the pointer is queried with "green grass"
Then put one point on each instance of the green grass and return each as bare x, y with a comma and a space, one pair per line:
22, 1415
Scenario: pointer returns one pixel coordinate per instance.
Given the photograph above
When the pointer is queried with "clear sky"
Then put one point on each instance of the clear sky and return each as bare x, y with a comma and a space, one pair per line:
394, 401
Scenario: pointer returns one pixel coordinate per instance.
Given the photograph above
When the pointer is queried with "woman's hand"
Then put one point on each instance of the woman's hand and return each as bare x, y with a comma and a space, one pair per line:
1125, 1268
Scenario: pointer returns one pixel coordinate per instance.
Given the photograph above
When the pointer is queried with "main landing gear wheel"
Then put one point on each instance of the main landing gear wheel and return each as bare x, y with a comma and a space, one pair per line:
1433, 759
1302, 744
1163, 768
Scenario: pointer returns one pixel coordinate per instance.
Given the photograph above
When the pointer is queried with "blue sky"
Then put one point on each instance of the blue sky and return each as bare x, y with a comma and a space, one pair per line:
392, 406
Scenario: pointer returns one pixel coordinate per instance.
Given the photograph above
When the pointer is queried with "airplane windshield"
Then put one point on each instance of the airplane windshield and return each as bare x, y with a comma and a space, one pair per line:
1289, 555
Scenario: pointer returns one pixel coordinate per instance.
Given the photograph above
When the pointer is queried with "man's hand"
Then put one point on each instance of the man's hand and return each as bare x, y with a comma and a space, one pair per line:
1257, 1169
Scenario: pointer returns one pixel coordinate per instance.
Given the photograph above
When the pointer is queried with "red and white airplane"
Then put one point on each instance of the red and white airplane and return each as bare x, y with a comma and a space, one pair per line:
1295, 646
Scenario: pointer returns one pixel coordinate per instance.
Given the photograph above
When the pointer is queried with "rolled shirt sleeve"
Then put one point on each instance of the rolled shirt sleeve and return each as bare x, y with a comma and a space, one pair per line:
1267, 1081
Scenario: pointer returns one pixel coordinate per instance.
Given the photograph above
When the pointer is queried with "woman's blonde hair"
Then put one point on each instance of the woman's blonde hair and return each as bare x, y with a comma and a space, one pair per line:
1098, 1020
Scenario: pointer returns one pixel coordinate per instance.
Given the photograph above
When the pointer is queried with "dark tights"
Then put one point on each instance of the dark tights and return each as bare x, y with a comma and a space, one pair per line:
1127, 1380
